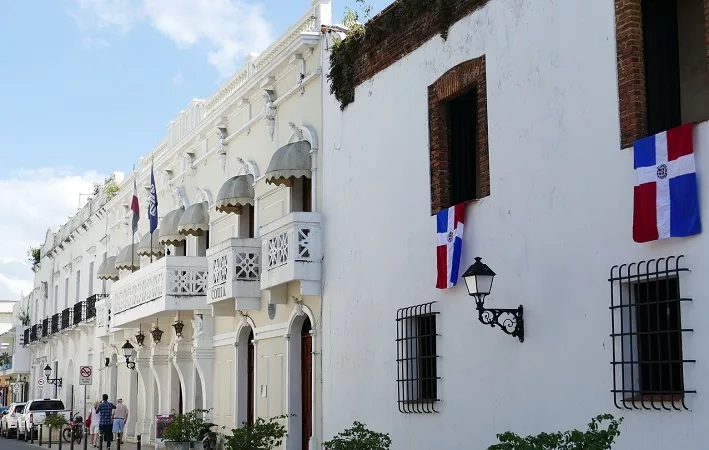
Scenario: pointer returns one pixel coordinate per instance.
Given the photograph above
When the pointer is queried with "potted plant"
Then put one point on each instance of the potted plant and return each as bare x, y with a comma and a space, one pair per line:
359, 438
185, 431
595, 438
262, 435
55, 422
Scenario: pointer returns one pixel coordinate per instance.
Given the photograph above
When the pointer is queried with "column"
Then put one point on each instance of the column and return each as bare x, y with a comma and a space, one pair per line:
144, 408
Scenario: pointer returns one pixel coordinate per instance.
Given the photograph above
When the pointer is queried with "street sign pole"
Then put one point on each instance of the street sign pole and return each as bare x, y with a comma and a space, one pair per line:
86, 374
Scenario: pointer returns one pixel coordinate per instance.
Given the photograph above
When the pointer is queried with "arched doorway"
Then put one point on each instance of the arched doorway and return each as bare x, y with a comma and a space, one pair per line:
306, 376
176, 400
245, 376
251, 367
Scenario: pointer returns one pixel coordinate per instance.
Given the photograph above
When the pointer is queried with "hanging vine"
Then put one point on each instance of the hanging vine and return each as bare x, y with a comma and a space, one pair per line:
403, 26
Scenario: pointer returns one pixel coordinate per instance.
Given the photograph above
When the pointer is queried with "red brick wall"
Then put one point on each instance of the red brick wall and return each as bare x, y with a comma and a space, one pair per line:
465, 76
390, 44
631, 69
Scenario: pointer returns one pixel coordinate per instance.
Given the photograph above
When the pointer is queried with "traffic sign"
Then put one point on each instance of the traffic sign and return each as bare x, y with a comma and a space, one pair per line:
16, 388
40, 382
85, 376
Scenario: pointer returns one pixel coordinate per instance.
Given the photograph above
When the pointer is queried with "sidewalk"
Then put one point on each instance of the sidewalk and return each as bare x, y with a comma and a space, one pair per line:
124, 446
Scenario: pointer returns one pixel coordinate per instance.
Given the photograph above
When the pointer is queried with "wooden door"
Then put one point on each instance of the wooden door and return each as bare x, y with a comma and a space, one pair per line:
250, 381
306, 376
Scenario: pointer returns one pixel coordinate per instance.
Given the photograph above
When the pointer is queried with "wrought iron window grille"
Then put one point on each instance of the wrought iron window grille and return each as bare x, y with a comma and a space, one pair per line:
647, 333
417, 359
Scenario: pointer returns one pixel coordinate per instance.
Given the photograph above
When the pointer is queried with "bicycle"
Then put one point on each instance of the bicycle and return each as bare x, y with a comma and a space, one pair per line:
75, 429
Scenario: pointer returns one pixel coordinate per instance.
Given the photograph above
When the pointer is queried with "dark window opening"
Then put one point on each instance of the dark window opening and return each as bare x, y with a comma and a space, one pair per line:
206, 240
417, 359
648, 356
659, 339
462, 113
251, 220
250, 380
662, 83
307, 194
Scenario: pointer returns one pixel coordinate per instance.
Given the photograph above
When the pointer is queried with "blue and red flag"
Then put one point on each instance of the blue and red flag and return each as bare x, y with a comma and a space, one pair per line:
666, 199
450, 245
134, 207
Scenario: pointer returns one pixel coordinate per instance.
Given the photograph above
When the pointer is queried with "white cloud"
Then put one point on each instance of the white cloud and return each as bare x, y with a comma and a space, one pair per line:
33, 201
178, 79
230, 28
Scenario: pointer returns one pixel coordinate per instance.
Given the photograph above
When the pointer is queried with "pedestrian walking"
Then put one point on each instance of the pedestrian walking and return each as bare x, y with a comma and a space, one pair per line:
105, 410
120, 417
94, 415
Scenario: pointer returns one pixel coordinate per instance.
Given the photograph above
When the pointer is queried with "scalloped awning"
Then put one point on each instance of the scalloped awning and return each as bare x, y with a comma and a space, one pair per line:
235, 193
195, 220
290, 162
107, 269
144, 246
168, 228
128, 258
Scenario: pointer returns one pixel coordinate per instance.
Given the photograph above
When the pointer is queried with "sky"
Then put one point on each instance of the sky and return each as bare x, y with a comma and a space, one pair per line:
89, 86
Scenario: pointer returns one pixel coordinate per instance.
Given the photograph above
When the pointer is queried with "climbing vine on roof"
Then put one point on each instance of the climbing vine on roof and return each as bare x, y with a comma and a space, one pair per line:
361, 39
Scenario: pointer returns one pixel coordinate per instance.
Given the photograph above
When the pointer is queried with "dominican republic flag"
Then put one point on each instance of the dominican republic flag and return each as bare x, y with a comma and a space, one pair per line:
153, 203
450, 245
134, 207
666, 200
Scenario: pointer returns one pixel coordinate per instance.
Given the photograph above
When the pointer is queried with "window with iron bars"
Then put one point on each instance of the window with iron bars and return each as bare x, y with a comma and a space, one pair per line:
646, 317
417, 359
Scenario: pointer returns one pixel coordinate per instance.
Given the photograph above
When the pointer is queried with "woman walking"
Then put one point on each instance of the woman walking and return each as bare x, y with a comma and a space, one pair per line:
94, 422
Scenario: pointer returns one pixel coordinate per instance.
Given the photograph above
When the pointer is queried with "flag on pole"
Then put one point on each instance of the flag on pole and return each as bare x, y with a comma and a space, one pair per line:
153, 203
134, 207
666, 199
450, 245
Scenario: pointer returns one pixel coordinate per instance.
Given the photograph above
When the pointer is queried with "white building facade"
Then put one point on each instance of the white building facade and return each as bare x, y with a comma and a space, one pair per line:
526, 112
222, 303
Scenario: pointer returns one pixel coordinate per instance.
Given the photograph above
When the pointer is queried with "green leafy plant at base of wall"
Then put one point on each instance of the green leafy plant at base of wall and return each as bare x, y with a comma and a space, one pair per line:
262, 435
55, 421
359, 438
595, 438
187, 427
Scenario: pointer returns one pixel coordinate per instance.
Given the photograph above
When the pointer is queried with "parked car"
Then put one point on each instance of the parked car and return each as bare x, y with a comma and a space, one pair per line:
8, 422
35, 412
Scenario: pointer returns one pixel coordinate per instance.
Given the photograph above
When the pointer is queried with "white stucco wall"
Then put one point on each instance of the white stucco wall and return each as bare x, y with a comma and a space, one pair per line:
558, 217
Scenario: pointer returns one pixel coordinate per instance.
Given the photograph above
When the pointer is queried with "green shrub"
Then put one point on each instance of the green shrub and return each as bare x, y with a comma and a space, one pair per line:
359, 438
55, 421
595, 438
262, 435
187, 427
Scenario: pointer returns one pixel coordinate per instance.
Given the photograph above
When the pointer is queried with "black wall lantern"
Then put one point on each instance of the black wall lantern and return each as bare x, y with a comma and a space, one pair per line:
140, 338
478, 278
55, 381
157, 334
178, 326
128, 352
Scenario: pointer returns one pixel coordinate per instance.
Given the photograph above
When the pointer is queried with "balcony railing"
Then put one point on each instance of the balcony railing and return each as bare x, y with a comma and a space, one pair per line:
45, 328
66, 318
235, 274
292, 251
79, 312
171, 283
91, 305
34, 333
26, 337
55, 323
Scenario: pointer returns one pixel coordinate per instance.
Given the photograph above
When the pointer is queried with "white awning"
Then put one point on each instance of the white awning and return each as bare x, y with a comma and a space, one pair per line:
128, 258
144, 246
168, 228
107, 269
290, 162
195, 220
235, 193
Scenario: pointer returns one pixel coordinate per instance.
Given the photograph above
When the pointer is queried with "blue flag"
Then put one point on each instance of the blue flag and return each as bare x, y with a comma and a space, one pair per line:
153, 203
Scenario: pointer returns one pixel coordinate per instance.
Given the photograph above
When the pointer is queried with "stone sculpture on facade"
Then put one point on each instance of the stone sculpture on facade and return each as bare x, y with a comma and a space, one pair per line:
269, 112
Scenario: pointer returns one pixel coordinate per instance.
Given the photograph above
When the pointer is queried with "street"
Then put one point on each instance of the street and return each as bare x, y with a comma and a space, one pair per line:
14, 444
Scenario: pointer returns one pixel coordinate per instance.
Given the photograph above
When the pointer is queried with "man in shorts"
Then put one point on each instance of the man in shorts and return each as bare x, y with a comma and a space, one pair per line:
120, 417
105, 410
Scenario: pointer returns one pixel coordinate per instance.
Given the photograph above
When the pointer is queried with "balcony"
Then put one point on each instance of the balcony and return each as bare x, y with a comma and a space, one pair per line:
292, 251
172, 283
26, 337
91, 305
103, 316
45, 328
55, 323
234, 276
35, 332
67, 318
